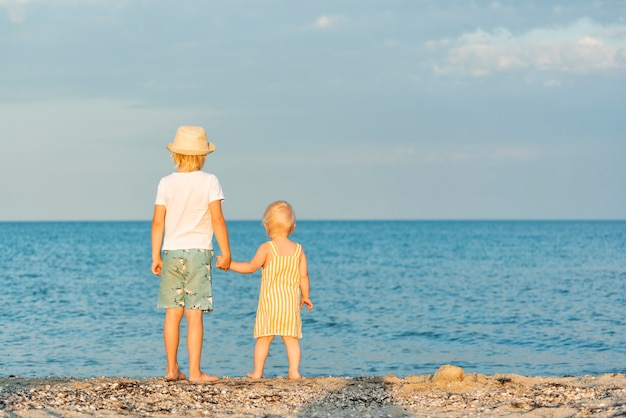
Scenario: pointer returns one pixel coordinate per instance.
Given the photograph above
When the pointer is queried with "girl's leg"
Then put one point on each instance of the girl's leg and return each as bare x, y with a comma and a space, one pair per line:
195, 335
293, 356
171, 337
261, 351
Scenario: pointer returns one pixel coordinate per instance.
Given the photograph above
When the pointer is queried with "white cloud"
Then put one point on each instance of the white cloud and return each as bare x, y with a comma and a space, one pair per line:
583, 47
322, 22
552, 83
326, 22
16, 9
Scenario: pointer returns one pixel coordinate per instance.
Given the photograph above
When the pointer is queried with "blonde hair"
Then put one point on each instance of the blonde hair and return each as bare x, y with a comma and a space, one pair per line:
187, 163
279, 218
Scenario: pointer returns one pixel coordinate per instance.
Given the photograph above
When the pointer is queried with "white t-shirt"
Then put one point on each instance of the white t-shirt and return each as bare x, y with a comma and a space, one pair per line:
186, 197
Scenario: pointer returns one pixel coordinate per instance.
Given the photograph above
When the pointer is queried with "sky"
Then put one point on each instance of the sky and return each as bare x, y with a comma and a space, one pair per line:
348, 109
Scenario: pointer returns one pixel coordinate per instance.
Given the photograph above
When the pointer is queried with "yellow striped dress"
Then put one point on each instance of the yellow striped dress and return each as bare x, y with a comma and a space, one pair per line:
278, 312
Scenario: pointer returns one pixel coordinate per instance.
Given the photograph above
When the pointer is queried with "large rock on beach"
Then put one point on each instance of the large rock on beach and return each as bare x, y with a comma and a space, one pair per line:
448, 374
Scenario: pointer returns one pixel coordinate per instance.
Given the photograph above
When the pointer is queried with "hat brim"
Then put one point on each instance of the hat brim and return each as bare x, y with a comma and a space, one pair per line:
176, 150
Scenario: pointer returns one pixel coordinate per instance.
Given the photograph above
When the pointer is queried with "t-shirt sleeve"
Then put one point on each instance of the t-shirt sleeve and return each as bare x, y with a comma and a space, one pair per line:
215, 190
160, 196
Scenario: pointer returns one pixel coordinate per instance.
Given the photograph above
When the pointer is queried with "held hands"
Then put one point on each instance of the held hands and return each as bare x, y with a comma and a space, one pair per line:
222, 263
307, 302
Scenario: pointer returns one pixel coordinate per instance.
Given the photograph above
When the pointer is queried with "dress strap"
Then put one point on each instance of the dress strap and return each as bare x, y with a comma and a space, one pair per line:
298, 249
274, 249
296, 253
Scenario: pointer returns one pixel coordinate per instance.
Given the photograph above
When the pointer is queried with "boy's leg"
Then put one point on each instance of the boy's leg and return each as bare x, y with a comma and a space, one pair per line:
171, 338
195, 335
293, 355
261, 351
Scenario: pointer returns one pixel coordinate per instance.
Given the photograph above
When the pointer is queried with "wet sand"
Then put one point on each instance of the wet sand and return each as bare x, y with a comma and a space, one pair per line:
449, 392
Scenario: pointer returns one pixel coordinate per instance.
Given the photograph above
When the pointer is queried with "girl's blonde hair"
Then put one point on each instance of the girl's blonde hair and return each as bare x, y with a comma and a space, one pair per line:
279, 218
187, 163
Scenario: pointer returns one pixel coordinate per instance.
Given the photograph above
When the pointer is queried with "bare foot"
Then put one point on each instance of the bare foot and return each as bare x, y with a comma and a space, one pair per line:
177, 375
254, 376
203, 378
294, 376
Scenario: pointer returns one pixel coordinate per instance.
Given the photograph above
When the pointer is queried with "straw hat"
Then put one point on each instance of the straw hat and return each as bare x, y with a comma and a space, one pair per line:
191, 140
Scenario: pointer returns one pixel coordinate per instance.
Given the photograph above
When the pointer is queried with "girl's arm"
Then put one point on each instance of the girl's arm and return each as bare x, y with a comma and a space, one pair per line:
304, 283
158, 226
221, 234
253, 265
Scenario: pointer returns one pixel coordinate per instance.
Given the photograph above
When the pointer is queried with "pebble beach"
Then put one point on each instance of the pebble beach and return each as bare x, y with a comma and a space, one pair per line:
448, 392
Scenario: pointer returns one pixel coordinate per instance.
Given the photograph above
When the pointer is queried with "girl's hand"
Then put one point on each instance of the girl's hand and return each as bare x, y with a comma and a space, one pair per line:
222, 263
307, 302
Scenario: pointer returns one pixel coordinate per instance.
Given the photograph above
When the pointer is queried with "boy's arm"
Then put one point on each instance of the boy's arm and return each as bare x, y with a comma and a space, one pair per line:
305, 285
221, 234
158, 226
253, 265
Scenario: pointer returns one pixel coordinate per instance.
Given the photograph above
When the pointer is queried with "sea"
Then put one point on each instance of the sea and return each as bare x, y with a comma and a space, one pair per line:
540, 298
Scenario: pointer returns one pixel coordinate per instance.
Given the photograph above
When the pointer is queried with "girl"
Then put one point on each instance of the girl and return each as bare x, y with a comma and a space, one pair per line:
284, 288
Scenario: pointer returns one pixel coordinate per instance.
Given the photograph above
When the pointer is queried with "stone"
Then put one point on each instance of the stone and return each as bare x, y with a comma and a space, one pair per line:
448, 374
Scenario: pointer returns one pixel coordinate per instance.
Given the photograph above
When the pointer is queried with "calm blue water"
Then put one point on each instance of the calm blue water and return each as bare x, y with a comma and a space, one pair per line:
532, 298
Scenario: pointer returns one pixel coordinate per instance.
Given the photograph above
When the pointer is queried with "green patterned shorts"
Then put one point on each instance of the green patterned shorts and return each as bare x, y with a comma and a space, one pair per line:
186, 280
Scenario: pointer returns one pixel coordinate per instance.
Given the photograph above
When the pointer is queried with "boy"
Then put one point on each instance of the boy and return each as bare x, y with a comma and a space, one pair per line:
187, 213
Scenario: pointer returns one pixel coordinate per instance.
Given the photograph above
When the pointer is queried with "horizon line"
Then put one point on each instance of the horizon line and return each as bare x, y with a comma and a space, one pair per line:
342, 220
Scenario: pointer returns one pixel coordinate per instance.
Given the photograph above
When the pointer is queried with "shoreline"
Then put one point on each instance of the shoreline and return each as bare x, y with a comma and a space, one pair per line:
449, 392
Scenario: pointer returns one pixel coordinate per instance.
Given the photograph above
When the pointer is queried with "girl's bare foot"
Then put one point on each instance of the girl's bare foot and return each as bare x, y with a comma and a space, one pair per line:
294, 376
254, 376
177, 375
203, 378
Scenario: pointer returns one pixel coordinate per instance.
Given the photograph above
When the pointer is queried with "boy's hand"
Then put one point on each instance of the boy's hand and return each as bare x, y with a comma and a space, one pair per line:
222, 263
307, 302
156, 267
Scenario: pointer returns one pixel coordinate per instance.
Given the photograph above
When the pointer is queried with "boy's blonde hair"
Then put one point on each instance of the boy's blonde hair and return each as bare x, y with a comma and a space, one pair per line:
279, 218
187, 163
